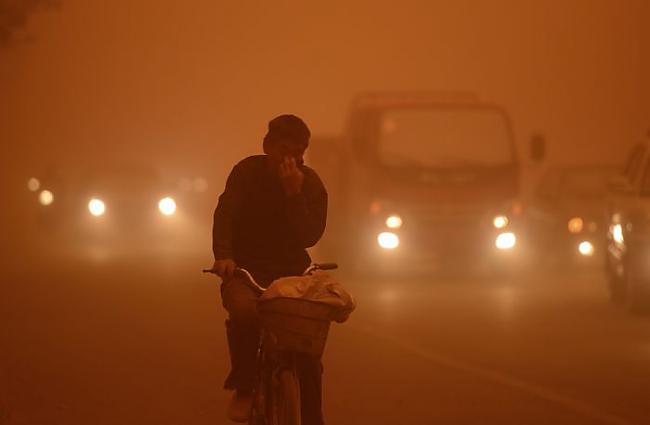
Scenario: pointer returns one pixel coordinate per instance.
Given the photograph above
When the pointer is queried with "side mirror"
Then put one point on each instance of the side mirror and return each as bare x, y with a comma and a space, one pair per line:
537, 148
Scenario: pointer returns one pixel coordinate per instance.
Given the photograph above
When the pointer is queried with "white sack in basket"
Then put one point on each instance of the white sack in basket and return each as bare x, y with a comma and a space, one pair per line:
318, 287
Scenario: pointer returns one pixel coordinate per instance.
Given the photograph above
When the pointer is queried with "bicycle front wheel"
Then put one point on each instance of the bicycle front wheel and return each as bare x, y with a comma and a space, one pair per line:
286, 399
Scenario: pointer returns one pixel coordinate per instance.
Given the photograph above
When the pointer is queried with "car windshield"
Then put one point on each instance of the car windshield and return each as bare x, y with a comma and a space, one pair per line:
585, 184
444, 138
124, 179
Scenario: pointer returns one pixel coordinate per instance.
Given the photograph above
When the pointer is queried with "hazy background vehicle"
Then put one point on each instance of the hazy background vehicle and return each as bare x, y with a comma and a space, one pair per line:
428, 179
567, 214
628, 236
112, 208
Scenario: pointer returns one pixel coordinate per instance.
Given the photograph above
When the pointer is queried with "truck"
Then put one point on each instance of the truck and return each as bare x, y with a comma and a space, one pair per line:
423, 182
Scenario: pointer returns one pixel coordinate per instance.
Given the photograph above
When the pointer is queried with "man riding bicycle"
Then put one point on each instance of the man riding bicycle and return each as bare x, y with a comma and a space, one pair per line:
272, 209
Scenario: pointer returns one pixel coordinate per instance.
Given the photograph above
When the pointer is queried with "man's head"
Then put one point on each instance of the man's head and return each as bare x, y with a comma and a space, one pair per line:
288, 137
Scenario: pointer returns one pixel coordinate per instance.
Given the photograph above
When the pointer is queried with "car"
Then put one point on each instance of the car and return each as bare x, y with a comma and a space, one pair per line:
628, 236
116, 206
567, 214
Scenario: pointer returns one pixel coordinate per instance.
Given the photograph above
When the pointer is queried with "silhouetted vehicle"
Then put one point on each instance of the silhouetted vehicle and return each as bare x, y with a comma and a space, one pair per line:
567, 214
628, 237
431, 180
127, 205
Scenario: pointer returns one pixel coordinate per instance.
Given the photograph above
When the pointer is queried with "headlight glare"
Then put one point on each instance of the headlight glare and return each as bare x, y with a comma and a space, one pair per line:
97, 207
506, 240
167, 206
575, 225
33, 184
394, 222
46, 197
500, 221
617, 234
388, 240
586, 248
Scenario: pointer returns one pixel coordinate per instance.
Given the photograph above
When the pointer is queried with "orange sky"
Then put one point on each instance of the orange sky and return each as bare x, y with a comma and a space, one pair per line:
193, 87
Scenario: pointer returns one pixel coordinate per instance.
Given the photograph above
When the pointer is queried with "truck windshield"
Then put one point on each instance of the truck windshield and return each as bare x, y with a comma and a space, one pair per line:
444, 138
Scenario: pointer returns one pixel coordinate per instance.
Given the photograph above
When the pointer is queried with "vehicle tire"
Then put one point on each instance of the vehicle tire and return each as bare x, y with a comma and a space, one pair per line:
286, 399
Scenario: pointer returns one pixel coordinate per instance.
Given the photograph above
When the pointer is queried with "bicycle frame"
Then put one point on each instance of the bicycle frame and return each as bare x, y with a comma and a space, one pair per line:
277, 374
271, 366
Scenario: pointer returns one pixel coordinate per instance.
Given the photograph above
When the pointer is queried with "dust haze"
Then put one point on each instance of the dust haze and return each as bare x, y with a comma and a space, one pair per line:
154, 100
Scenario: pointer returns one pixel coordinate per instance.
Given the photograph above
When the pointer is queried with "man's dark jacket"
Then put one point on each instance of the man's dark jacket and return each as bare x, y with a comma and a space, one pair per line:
262, 229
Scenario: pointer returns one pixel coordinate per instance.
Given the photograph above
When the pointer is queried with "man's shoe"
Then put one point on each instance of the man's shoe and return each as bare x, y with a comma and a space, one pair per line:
240, 406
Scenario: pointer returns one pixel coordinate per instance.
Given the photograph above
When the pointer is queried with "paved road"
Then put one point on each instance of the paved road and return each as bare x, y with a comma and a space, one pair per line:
140, 340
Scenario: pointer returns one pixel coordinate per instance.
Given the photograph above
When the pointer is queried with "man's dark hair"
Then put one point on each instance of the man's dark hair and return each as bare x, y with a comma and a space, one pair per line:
287, 127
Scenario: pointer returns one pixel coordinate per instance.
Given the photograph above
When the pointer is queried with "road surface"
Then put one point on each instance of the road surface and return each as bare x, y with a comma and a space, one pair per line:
140, 340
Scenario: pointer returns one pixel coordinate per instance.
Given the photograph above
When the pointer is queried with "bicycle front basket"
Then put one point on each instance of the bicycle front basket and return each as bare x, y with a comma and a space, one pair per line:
294, 325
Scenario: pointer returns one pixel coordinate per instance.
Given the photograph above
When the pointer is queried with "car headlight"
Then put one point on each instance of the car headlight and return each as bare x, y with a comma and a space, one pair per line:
97, 207
617, 233
506, 240
167, 206
575, 225
586, 248
388, 240
46, 197
33, 184
394, 222
500, 221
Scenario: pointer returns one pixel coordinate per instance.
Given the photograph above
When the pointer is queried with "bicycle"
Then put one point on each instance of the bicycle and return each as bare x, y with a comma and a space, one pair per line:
287, 330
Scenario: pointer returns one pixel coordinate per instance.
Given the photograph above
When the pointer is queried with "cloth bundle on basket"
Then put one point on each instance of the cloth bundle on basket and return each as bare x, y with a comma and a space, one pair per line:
318, 287
298, 310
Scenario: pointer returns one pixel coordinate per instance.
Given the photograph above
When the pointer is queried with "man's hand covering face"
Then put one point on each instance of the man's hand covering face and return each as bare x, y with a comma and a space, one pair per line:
291, 176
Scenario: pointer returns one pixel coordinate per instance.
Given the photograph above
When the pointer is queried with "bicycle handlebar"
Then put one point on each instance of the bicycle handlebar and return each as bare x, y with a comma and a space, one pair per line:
315, 266
326, 266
